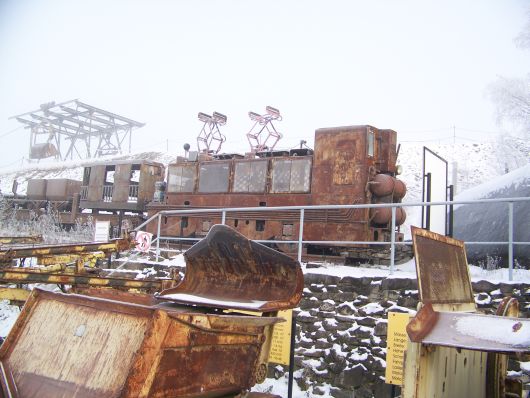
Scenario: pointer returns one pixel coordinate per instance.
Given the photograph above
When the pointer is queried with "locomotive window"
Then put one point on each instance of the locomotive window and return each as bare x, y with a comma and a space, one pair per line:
281, 175
135, 174
214, 177
181, 178
109, 175
250, 176
300, 174
86, 176
370, 143
291, 175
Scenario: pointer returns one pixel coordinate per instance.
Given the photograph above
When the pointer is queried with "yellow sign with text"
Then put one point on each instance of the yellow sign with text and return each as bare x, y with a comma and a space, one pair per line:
396, 346
281, 339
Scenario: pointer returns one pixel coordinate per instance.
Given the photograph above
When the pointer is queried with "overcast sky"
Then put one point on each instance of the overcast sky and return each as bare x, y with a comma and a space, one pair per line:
418, 67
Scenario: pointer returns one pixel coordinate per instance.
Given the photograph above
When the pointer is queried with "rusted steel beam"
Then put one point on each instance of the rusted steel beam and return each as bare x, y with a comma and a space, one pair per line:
22, 276
14, 294
38, 251
10, 240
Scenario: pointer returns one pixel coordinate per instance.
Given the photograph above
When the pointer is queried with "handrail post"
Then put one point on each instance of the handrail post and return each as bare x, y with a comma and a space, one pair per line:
393, 240
223, 217
158, 237
510, 240
300, 234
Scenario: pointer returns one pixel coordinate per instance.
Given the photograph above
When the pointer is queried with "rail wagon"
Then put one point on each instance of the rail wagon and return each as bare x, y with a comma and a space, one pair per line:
120, 185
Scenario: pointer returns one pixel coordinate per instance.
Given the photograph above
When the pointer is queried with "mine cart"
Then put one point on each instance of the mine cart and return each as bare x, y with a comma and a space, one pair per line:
178, 344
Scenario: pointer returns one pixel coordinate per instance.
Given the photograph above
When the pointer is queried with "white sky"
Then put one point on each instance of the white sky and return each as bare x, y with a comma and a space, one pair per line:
418, 67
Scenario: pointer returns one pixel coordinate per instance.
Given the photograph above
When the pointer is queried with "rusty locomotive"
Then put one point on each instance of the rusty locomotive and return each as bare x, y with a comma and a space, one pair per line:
348, 165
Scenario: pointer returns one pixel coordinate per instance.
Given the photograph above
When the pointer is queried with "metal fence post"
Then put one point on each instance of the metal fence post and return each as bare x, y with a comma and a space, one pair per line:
510, 240
223, 217
393, 240
158, 237
300, 235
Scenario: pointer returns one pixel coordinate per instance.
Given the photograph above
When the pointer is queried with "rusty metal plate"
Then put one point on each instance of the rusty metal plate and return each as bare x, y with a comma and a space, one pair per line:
226, 270
471, 331
441, 266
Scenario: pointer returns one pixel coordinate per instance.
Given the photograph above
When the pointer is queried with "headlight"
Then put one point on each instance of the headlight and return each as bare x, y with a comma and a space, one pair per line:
399, 169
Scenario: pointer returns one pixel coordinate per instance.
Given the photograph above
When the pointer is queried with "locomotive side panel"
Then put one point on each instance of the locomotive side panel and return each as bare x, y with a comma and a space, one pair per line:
340, 165
149, 173
120, 192
95, 185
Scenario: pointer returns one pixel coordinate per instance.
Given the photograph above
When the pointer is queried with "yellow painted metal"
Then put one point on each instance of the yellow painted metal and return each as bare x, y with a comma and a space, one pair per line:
397, 341
10, 240
281, 339
20, 275
444, 372
14, 294
40, 251
44, 270
436, 371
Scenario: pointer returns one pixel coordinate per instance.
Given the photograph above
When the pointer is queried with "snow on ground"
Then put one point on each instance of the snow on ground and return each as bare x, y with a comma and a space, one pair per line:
408, 270
280, 387
8, 316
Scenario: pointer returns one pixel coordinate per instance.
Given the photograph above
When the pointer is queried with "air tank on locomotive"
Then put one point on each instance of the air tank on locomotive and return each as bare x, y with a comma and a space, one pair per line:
387, 189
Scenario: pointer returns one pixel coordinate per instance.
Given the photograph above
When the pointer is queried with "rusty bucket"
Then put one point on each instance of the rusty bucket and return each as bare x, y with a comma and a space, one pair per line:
226, 270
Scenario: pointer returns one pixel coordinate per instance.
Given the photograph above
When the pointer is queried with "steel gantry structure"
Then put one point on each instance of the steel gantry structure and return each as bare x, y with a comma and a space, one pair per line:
88, 131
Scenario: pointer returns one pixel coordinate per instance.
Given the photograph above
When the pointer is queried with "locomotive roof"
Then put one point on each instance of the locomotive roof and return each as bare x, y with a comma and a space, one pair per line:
347, 128
125, 161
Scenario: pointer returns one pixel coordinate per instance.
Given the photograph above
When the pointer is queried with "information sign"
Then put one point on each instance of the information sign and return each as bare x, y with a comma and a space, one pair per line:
281, 339
397, 341
101, 231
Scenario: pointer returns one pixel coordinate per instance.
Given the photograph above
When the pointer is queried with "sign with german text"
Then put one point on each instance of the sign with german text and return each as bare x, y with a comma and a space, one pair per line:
397, 341
281, 339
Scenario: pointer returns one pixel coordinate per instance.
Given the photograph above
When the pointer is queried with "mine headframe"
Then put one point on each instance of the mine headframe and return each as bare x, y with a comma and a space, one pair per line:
86, 130
263, 134
210, 138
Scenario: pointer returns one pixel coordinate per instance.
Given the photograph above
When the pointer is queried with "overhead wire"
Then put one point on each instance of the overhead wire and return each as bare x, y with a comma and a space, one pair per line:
11, 131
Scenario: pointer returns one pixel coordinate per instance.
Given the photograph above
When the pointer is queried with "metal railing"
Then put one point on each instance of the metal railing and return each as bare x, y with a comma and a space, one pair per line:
84, 192
133, 193
108, 191
300, 242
